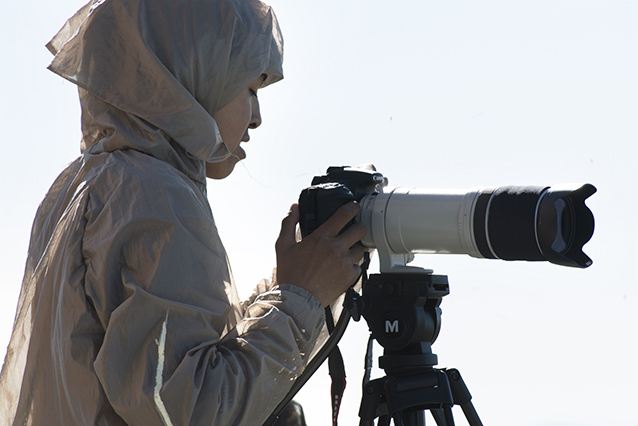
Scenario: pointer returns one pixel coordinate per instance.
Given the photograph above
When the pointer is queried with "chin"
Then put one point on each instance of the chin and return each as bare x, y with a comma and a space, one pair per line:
220, 170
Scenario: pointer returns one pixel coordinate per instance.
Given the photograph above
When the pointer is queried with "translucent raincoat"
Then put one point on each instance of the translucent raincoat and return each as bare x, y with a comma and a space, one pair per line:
128, 312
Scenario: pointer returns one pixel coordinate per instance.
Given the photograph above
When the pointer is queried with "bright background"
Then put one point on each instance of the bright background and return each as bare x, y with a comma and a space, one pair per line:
451, 94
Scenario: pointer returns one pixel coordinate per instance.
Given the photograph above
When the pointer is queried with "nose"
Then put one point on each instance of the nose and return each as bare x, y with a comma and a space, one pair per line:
255, 119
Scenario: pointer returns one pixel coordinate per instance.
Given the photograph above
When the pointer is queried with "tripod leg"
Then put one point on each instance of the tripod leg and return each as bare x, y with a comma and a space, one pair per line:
462, 396
443, 416
384, 421
448, 415
412, 418
398, 419
439, 416
471, 415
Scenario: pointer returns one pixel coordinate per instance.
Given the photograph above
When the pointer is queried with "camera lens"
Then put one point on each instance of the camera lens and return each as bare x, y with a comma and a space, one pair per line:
533, 223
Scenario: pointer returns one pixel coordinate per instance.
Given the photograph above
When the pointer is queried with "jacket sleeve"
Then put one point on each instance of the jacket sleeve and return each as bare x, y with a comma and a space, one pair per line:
176, 349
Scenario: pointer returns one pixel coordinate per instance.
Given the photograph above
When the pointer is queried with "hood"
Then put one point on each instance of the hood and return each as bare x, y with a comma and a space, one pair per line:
152, 74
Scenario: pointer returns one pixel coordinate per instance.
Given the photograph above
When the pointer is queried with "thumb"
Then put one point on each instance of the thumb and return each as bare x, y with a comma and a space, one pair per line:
288, 228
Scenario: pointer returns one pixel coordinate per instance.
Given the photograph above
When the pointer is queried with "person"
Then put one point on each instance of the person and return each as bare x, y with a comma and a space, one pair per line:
128, 313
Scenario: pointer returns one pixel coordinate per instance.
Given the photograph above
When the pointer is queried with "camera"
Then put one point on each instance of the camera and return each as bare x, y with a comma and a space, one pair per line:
533, 223
401, 304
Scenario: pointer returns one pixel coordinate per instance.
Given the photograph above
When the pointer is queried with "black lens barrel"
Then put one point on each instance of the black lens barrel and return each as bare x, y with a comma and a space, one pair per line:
534, 223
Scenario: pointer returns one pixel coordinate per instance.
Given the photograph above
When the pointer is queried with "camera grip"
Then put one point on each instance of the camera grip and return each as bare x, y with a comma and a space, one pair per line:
318, 203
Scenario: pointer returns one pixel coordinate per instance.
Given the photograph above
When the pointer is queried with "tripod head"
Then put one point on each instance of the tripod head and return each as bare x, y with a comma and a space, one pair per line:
403, 314
402, 311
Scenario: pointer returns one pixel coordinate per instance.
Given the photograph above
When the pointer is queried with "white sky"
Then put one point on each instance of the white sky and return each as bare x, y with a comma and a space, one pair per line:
451, 94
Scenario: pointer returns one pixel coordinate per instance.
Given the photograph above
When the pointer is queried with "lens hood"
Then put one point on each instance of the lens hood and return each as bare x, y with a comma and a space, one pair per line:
565, 224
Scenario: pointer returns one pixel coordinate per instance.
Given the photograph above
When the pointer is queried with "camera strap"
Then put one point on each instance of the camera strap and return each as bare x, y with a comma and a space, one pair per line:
336, 368
337, 372
314, 364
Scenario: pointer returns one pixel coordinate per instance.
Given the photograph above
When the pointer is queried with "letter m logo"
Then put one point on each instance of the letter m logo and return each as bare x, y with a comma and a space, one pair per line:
391, 326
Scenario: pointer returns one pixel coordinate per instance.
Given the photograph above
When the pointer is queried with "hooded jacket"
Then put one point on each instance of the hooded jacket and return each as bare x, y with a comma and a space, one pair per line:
128, 313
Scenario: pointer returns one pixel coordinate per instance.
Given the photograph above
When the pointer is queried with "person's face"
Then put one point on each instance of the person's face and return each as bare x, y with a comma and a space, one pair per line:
234, 119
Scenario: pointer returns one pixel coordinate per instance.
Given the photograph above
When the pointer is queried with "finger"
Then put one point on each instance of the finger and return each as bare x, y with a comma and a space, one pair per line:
353, 234
356, 274
288, 227
340, 219
356, 254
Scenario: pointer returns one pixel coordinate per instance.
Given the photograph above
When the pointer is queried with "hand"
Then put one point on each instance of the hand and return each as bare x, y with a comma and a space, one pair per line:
325, 263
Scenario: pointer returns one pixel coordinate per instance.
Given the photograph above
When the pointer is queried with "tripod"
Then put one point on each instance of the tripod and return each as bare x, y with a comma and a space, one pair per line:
403, 314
